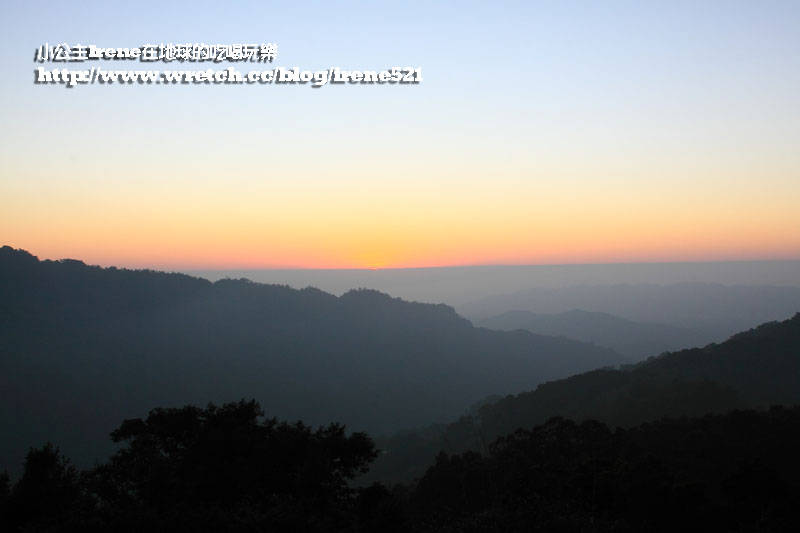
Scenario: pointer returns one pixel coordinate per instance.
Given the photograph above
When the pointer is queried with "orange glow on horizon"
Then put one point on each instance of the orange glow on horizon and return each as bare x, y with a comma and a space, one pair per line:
528, 224
224, 258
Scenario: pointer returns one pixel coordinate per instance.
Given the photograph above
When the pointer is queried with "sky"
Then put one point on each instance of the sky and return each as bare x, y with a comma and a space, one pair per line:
543, 132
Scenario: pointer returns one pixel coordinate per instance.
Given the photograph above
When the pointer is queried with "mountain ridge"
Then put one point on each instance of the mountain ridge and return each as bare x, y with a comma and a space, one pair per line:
83, 347
635, 339
713, 309
757, 368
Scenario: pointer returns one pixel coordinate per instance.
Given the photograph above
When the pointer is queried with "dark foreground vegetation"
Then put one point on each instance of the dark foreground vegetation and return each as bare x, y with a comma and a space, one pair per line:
230, 469
192, 469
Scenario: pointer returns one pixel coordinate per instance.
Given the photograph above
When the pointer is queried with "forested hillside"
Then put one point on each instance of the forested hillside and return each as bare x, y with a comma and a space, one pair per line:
754, 369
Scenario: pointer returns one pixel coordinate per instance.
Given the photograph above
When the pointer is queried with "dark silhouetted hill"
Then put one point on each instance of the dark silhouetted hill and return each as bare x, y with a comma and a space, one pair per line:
635, 340
82, 347
754, 369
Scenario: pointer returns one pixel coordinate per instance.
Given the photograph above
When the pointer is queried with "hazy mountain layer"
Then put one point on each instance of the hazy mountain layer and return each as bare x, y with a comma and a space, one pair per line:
83, 347
635, 340
461, 285
712, 310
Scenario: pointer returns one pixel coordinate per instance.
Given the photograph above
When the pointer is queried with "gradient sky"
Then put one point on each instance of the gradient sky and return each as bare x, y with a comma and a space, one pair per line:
544, 132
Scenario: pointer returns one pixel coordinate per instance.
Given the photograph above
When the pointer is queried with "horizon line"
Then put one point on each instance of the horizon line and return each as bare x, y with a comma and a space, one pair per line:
171, 268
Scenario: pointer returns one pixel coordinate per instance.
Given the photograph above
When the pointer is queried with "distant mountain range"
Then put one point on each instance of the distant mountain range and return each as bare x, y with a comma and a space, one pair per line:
465, 284
713, 311
84, 347
635, 340
755, 369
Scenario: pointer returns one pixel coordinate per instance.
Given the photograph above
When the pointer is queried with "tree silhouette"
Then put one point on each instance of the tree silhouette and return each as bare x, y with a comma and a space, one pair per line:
733, 472
48, 495
229, 468
5, 493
